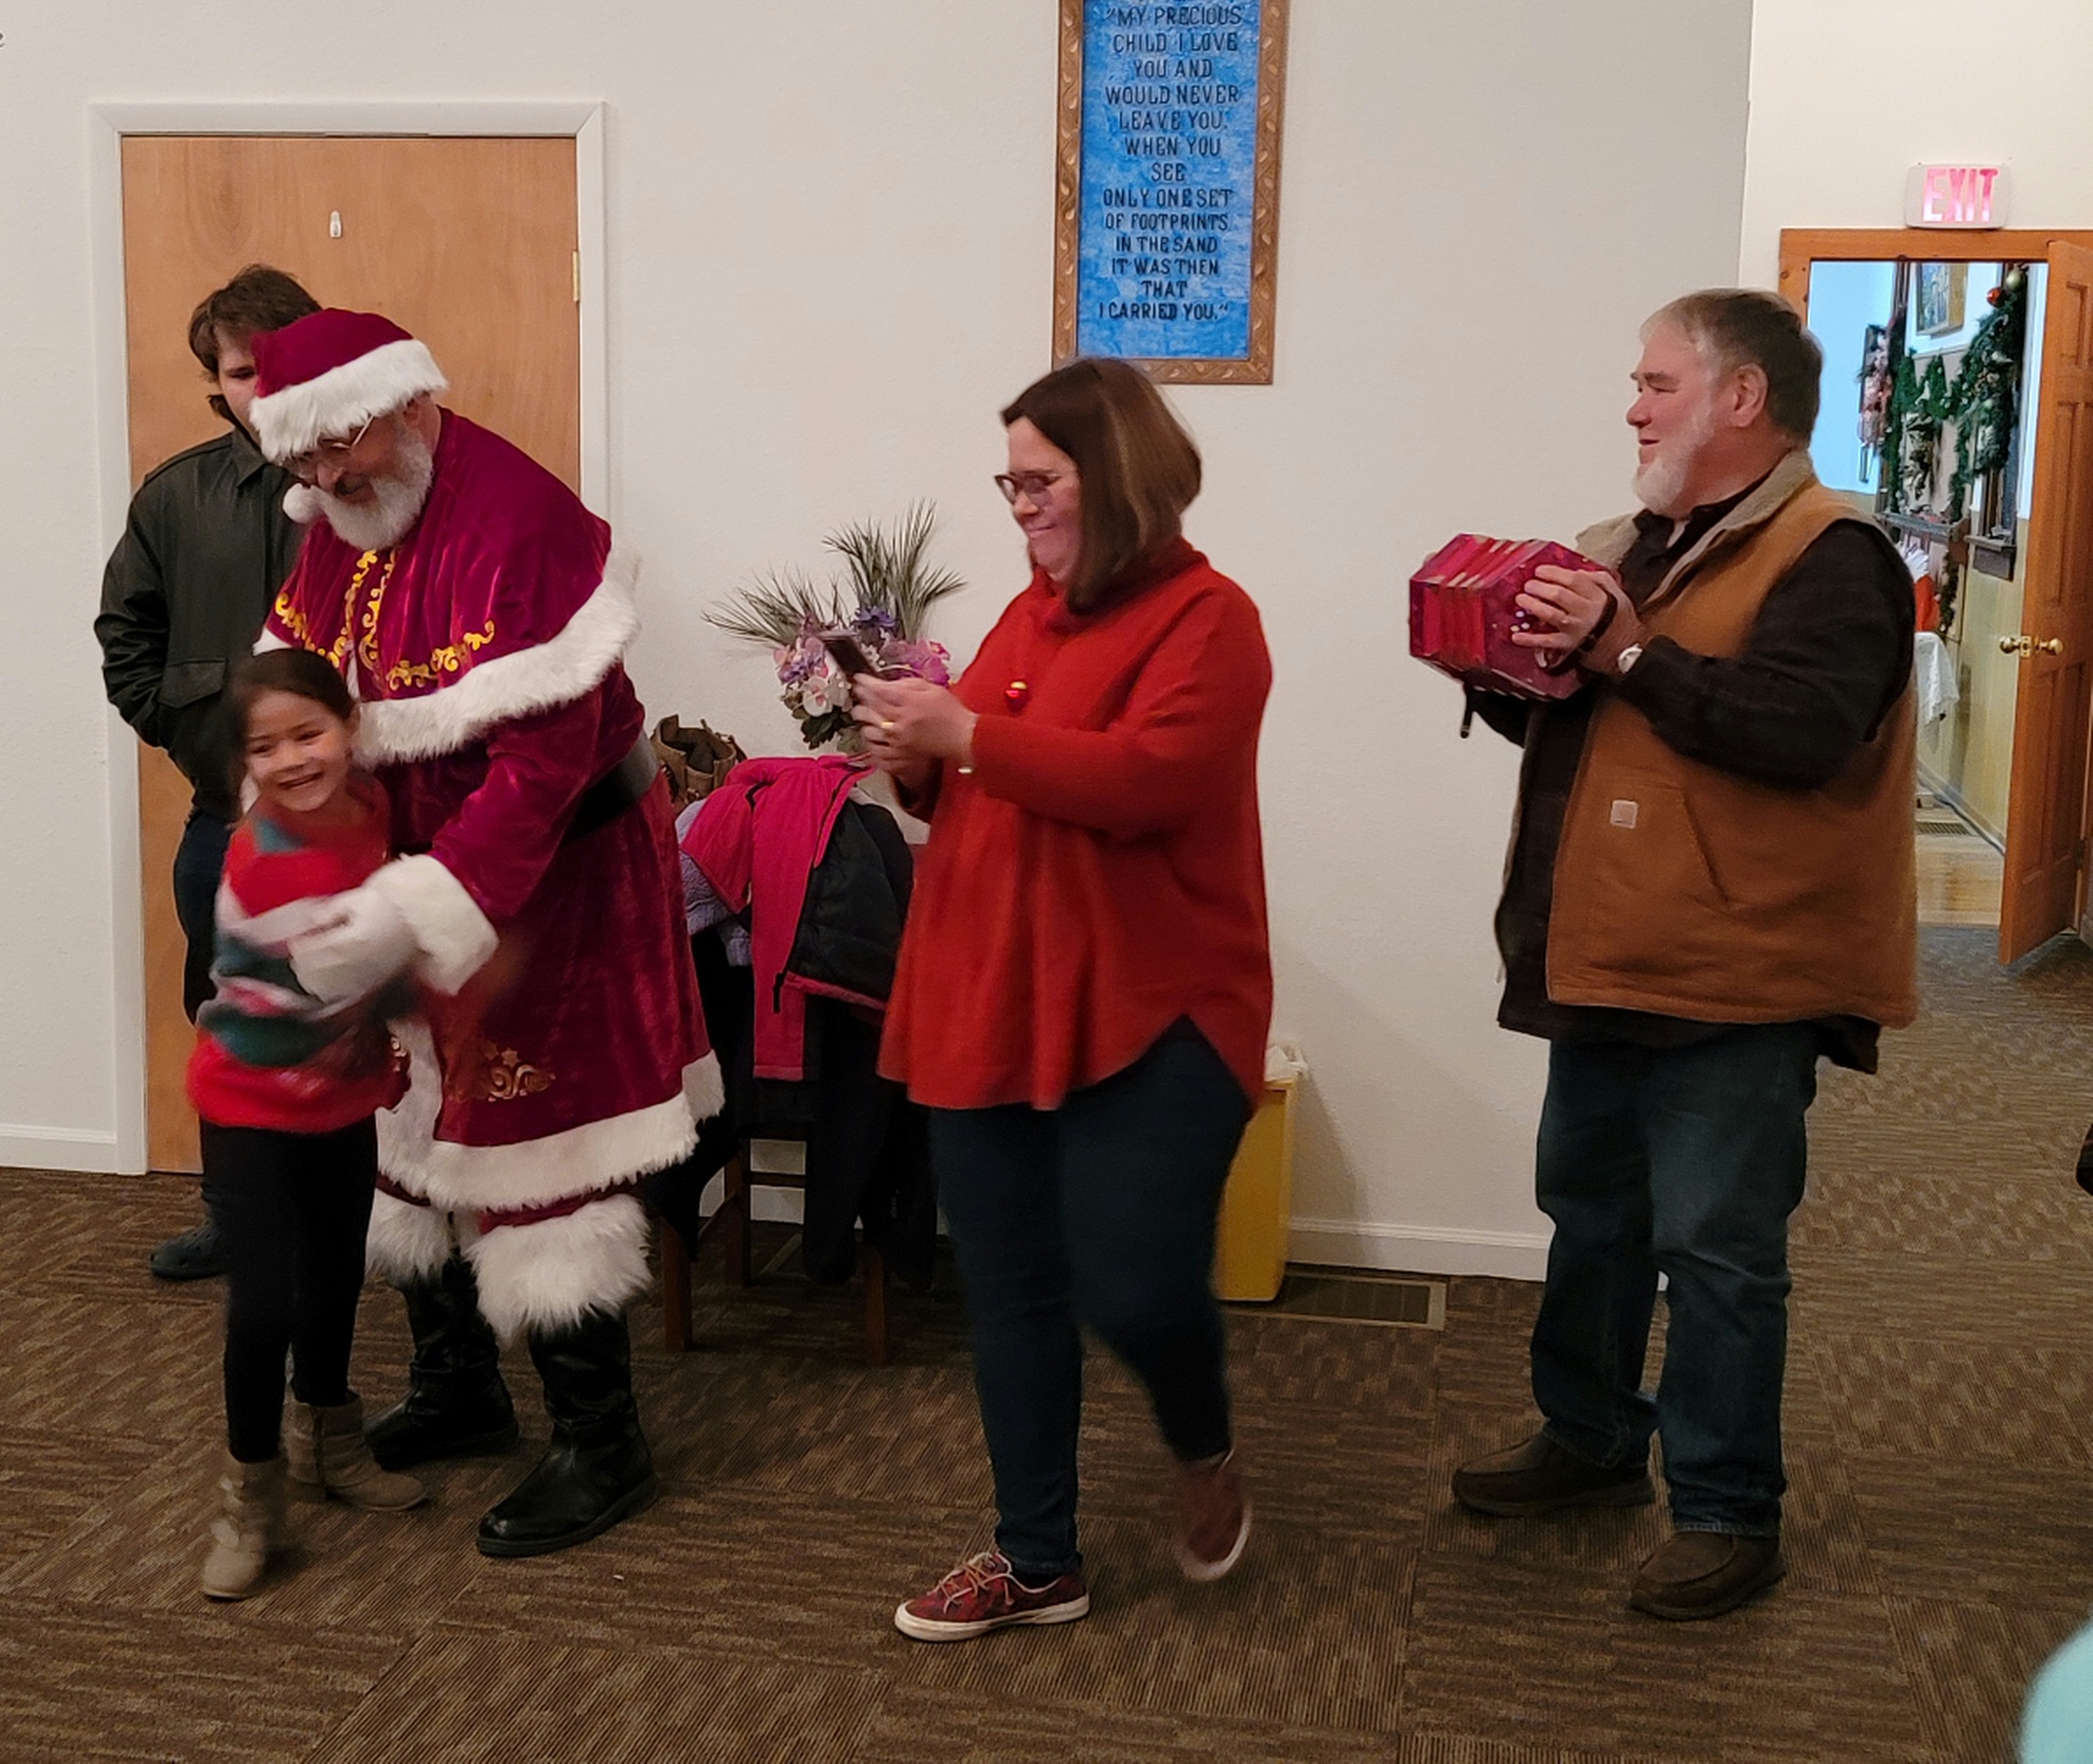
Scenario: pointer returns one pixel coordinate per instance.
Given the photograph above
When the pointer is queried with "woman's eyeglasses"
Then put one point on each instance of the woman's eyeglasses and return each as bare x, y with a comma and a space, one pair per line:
1033, 486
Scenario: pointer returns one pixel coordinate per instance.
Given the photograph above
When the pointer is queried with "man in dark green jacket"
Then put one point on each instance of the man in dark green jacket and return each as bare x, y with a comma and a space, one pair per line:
204, 552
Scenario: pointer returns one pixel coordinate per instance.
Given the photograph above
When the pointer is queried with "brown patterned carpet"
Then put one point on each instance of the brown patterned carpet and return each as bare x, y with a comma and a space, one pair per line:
1940, 1530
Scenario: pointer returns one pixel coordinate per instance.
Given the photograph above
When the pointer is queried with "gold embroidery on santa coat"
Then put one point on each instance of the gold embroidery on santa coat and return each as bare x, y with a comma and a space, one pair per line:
368, 650
502, 1074
293, 620
445, 660
337, 653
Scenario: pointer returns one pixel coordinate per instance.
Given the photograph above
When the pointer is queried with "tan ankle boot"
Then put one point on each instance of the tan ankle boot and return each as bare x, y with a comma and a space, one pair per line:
328, 1456
300, 1451
249, 1525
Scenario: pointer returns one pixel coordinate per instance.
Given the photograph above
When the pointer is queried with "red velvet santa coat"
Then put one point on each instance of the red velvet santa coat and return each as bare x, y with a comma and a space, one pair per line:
1099, 873
485, 649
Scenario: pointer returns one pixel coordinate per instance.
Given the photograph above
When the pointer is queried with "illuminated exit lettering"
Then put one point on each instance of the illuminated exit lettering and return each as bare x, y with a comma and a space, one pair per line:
1955, 196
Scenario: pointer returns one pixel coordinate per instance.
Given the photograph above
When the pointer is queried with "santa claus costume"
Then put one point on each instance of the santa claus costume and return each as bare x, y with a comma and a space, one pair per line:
563, 1055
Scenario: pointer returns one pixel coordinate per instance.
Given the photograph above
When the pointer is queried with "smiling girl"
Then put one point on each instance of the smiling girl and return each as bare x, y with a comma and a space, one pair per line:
288, 1087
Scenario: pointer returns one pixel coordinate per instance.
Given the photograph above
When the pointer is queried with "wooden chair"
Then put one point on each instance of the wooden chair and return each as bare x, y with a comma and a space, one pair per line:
731, 1220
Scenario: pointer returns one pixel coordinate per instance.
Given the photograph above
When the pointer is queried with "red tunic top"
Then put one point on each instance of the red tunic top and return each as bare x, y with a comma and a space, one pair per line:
1099, 874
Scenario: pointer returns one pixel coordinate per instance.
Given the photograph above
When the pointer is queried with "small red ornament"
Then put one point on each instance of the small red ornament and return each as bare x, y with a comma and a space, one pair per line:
1015, 694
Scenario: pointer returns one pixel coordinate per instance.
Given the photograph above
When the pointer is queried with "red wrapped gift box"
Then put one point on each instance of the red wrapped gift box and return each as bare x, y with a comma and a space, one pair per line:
1464, 607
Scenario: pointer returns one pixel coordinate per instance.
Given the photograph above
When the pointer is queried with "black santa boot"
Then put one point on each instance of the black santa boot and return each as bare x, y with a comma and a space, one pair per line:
598, 1469
456, 1402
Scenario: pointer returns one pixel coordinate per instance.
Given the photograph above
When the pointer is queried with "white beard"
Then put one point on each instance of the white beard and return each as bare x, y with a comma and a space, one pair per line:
396, 503
1661, 483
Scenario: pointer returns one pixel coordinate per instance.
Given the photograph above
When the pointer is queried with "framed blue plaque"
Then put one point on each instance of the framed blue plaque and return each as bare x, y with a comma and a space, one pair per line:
1166, 219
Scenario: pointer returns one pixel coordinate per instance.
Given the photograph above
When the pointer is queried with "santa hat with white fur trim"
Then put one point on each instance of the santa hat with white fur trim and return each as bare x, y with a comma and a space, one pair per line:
331, 372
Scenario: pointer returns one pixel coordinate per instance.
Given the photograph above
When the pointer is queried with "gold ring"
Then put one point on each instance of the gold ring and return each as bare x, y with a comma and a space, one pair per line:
885, 723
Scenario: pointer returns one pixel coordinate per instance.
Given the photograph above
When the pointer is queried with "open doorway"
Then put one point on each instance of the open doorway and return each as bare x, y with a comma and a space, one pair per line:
1931, 371
1954, 413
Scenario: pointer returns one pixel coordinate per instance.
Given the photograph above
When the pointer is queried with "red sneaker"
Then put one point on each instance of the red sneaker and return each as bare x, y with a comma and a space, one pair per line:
1213, 1518
983, 1593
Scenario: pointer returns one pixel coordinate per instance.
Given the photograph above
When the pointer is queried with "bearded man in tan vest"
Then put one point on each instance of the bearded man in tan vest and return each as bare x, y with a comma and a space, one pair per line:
1710, 887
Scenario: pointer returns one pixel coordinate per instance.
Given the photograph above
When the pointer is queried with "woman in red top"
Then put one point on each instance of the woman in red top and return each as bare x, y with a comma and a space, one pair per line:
288, 1085
1085, 985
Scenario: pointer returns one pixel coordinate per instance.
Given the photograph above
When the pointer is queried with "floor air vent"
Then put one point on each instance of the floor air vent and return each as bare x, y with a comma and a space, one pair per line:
1350, 1296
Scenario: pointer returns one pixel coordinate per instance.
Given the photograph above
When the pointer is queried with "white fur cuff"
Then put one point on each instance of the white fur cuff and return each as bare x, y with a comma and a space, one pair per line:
406, 1242
453, 934
548, 1275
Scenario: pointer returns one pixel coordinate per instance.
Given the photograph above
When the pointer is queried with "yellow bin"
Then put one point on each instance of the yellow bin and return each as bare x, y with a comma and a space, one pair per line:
1257, 1206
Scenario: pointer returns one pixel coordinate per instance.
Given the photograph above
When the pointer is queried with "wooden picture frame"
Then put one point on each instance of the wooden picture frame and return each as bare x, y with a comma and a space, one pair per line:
1254, 366
1940, 296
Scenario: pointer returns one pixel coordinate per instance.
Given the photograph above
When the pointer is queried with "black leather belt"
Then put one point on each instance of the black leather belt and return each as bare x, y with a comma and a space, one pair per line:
616, 791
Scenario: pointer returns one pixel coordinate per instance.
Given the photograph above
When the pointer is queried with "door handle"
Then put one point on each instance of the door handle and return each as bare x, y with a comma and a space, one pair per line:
2024, 645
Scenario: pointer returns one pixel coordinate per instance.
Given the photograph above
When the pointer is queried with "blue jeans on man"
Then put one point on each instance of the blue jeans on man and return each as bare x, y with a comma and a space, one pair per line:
1684, 1161
199, 862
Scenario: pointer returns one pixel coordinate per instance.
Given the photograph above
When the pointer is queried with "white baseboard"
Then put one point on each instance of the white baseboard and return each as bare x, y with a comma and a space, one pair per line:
1420, 1249
56, 1148
1336, 1243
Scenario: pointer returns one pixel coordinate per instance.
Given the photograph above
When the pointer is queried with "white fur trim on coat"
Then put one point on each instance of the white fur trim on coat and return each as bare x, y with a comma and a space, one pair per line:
598, 1155
454, 937
406, 1130
549, 1275
335, 402
406, 1242
521, 683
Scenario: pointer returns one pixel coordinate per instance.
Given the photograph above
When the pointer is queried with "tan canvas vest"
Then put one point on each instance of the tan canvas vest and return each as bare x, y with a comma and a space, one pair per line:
1696, 893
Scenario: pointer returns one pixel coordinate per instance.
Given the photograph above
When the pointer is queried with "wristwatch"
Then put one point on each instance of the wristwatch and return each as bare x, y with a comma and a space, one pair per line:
1628, 658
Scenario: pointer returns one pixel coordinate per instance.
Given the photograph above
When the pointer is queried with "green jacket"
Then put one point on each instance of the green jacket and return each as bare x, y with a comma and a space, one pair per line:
204, 552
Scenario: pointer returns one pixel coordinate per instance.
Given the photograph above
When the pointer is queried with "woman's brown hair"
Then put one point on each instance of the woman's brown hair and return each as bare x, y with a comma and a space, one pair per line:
1139, 470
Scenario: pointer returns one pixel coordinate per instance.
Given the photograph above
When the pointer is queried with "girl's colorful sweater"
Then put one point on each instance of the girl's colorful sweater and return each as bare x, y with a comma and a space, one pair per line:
268, 1053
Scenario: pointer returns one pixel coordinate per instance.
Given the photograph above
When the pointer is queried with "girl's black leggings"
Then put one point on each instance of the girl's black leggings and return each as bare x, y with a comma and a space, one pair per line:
293, 1209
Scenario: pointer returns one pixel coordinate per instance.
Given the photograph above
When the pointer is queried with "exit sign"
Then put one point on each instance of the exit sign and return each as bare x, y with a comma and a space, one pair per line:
1955, 196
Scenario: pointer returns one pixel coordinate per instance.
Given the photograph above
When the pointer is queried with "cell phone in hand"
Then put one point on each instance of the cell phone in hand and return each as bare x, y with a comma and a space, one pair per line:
849, 655
852, 662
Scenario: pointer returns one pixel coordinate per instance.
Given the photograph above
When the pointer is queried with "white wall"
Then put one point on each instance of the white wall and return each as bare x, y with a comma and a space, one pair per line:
1847, 98
830, 255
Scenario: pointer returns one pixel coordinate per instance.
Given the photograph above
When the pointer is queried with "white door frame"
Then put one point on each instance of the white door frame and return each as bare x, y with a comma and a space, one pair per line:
108, 123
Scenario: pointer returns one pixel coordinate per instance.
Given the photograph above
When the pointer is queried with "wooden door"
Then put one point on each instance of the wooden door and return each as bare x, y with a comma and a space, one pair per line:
2046, 809
467, 242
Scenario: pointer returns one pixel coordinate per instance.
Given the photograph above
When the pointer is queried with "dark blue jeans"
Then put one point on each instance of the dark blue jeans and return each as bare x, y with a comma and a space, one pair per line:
1686, 1160
199, 862
1100, 1212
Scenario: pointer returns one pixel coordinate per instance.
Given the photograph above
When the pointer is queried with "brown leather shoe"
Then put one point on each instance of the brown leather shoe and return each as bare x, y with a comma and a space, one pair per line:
1703, 1574
1213, 1518
1537, 1476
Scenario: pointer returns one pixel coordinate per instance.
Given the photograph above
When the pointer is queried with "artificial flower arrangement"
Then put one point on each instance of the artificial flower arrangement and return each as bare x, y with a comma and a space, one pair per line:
878, 605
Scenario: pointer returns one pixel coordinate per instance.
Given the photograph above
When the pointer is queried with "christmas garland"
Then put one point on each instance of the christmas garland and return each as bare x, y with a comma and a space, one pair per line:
1984, 403
1918, 405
